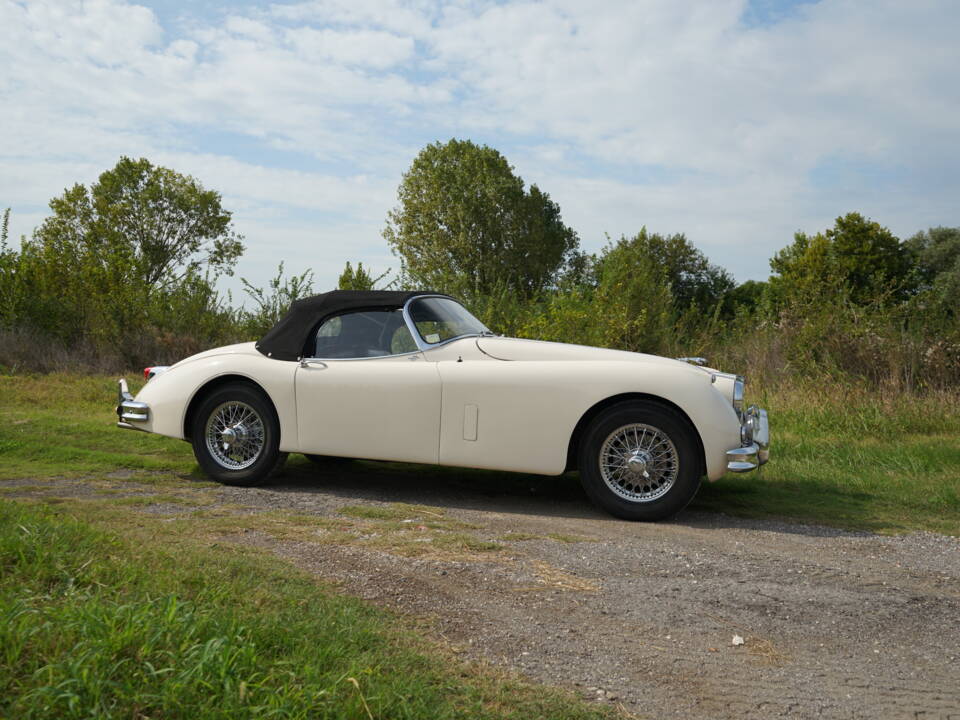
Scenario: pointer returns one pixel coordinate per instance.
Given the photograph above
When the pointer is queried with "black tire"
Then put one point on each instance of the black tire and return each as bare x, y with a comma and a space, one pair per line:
256, 427
663, 491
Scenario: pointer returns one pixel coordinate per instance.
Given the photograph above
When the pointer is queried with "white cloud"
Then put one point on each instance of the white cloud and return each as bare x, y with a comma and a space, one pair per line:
259, 187
672, 115
410, 18
371, 48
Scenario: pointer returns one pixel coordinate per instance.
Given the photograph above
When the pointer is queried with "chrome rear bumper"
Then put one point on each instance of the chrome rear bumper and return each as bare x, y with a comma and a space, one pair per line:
755, 439
129, 410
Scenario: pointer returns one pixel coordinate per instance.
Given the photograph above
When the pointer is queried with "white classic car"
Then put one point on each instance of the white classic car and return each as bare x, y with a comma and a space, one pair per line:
414, 377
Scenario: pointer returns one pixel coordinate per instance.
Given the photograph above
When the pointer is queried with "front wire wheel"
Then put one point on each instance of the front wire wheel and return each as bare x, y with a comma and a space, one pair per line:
640, 460
236, 435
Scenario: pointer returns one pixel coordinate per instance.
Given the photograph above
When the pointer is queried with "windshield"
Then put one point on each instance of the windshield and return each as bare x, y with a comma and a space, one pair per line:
441, 319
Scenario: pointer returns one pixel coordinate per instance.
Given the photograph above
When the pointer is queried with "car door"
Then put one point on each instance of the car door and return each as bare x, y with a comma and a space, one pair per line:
367, 392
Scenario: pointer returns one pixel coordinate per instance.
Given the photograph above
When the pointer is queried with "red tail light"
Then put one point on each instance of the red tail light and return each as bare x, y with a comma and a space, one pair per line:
146, 373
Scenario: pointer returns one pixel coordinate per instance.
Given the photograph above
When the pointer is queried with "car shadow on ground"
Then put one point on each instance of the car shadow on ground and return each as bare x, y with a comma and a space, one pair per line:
462, 488
495, 492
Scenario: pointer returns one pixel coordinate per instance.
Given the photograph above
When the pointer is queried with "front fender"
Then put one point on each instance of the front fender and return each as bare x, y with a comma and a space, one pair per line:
169, 395
526, 412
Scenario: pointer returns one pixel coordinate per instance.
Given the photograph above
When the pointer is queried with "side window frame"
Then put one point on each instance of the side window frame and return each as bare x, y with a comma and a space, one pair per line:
312, 342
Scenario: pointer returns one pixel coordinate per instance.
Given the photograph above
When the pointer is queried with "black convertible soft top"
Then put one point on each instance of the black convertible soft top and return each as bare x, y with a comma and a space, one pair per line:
286, 339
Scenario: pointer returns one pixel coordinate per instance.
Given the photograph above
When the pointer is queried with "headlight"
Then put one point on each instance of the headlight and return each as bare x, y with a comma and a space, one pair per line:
738, 395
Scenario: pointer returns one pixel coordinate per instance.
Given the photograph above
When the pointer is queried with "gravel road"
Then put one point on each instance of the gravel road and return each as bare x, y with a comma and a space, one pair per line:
648, 616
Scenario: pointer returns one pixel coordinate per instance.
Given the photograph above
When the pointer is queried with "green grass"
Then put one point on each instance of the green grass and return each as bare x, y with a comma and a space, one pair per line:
52, 425
95, 624
519, 537
851, 459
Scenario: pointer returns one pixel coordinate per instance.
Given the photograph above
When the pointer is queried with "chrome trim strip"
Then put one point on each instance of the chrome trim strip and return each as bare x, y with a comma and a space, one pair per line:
123, 391
699, 361
755, 430
129, 409
739, 384
324, 360
134, 411
743, 459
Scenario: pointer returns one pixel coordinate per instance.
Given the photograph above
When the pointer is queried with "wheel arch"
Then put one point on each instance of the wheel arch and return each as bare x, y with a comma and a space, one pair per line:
599, 407
212, 385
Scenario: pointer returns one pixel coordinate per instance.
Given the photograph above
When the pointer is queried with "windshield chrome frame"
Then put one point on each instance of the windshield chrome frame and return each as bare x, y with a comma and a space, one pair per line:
418, 339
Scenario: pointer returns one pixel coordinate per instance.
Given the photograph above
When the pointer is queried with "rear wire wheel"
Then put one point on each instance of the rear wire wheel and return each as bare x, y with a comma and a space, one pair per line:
640, 460
236, 436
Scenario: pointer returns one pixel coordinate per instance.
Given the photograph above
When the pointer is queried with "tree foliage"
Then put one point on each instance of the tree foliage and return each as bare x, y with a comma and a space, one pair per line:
465, 224
164, 224
936, 254
359, 278
747, 296
624, 302
857, 257
130, 260
693, 281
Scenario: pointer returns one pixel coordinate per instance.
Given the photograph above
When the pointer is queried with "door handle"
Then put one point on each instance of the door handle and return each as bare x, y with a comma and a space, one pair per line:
308, 362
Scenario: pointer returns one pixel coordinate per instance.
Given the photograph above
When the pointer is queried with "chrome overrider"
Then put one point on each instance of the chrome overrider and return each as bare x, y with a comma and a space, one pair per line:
754, 441
129, 410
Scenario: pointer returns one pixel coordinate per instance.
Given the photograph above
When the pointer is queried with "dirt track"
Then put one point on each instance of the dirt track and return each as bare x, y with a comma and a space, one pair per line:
835, 624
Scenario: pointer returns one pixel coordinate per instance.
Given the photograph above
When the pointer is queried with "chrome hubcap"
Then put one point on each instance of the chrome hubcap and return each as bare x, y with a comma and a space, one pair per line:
638, 462
235, 435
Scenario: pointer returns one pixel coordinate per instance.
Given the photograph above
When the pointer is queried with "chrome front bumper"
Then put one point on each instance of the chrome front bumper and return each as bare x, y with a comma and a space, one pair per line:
129, 410
755, 442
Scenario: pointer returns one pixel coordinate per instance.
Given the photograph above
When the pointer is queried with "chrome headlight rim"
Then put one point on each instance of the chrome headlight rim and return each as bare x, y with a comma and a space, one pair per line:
754, 428
738, 389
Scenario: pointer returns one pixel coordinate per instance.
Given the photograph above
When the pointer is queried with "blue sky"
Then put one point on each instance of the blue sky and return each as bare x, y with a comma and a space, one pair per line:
734, 122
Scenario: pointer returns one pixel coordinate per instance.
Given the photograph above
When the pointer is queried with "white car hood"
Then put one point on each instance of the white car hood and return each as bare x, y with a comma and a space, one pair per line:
504, 348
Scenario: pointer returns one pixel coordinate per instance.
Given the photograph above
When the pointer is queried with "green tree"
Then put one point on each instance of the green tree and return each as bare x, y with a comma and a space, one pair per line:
693, 280
359, 278
936, 255
856, 255
113, 259
748, 295
465, 224
633, 298
625, 303
167, 224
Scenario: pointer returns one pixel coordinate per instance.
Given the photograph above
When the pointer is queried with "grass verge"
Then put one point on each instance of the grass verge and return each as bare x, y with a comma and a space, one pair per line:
849, 458
96, 624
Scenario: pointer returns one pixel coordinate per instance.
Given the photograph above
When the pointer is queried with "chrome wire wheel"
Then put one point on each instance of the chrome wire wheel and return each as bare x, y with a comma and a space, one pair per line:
639, 463
235, 435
